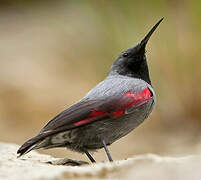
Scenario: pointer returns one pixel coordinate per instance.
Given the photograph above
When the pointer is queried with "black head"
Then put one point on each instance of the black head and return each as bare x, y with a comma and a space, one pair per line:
132, 62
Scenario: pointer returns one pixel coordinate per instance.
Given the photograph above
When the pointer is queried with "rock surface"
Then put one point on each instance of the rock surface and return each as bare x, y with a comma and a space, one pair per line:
35, 166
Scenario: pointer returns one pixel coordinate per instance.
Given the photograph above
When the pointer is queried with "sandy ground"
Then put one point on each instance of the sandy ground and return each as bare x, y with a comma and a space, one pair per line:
35, 166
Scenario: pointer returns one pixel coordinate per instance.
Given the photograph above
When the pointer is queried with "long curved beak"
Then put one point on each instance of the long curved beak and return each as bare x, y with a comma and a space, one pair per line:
143, 43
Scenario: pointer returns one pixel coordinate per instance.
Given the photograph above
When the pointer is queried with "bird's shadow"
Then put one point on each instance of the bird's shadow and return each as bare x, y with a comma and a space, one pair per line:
67, 162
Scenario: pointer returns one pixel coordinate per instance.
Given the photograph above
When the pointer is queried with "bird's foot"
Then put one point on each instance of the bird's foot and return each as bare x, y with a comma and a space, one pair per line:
68, 162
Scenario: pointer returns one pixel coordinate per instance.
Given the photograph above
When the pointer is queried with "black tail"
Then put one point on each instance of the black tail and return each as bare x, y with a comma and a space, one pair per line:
29, 145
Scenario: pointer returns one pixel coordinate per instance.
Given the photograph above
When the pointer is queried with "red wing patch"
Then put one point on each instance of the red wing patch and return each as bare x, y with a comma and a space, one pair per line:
91, 117
118, 113
136, 99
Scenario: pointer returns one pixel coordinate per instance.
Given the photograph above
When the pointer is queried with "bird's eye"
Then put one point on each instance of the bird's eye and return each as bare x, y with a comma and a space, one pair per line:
125, 54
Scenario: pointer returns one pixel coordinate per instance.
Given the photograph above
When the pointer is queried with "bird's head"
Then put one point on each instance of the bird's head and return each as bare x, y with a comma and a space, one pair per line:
132, 62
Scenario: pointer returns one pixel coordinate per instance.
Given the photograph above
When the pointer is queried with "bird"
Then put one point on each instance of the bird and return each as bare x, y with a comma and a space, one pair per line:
109, 111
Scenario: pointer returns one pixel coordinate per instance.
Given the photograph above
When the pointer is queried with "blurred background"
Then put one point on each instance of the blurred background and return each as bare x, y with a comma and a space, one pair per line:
53, 52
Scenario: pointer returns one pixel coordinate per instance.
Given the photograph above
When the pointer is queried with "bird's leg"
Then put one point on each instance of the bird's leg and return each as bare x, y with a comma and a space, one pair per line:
90, 157
107, 151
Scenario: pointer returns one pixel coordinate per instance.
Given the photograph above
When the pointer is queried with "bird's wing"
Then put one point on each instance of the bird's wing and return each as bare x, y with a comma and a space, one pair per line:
88, 111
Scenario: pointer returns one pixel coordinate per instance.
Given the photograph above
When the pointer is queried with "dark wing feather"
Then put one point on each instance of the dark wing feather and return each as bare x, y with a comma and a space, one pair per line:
66, 119
61, 122
69, 118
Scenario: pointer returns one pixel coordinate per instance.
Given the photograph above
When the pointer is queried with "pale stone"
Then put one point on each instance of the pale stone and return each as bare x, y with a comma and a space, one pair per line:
35, 166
